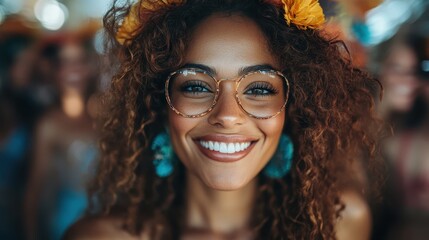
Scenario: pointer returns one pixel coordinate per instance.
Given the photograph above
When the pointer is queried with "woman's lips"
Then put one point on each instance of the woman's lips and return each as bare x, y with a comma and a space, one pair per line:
225, 148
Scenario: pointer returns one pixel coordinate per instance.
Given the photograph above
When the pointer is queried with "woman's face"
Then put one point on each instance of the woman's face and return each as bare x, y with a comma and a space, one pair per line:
399, 78
226, 45
74, 70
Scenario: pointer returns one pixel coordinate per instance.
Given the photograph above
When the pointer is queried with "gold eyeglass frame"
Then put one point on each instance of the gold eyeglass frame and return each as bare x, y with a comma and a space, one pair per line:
218, 81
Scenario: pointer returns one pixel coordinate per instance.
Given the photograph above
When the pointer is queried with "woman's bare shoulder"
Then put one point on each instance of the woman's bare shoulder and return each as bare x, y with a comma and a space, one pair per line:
98, 228
355, 220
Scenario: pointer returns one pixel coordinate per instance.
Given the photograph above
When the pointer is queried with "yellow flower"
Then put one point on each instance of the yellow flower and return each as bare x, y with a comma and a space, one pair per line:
135, 18
304, 13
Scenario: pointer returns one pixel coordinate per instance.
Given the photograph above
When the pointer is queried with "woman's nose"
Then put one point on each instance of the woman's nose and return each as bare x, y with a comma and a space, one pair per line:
227, 113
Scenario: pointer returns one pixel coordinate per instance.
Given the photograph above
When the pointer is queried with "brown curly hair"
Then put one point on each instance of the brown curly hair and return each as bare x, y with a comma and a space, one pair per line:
330, 112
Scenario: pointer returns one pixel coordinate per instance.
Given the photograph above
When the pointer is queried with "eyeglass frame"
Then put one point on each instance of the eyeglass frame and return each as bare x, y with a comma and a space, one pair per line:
237, 81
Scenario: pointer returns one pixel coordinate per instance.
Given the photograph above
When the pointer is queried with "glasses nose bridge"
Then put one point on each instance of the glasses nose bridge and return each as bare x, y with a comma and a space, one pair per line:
224, 110
233, 92
234, 79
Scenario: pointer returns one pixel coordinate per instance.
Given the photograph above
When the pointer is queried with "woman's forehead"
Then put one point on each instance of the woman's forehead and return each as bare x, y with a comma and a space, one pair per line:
228, 43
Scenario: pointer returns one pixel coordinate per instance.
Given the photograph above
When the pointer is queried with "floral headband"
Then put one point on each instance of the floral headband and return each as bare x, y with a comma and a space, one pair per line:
302, 13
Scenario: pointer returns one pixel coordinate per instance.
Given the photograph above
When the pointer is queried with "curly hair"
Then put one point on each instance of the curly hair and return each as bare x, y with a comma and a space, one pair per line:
330, 112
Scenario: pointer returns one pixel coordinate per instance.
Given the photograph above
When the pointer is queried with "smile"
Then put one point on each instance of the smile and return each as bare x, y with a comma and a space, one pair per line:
224, 147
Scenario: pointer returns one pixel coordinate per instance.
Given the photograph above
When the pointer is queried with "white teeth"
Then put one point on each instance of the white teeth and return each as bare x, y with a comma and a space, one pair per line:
231, 148
216, 146
223, 147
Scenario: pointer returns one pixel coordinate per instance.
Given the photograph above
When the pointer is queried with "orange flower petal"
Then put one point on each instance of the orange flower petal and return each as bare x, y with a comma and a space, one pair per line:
132, 21
304, 13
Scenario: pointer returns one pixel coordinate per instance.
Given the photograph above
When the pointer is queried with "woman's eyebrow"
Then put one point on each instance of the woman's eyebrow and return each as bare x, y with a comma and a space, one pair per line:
206, 68
253, 68
242, 71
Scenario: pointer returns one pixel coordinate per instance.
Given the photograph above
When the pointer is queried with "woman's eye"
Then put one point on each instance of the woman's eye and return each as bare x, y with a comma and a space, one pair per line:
261, 90
258, 91
195, 87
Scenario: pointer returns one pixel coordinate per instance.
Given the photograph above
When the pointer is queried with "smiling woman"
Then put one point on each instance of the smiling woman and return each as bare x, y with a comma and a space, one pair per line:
229, 119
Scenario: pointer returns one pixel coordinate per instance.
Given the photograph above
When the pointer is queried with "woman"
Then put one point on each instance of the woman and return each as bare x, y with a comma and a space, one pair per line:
398, 74
228, 119
18, 111
65, 148
405, 212
411, 176
404, 108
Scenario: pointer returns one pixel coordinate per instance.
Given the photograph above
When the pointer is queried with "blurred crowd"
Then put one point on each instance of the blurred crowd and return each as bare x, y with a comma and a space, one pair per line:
402, 67
50, 85
49, 88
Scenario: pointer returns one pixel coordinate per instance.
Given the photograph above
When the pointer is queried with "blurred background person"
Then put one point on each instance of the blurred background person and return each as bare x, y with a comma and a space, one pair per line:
398, 74
404, 213
65, 146
18, 110
46, 66
409, 156
395, 65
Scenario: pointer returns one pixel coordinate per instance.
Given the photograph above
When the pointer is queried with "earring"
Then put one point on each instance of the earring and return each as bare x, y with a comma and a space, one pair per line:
281, 163
164, 157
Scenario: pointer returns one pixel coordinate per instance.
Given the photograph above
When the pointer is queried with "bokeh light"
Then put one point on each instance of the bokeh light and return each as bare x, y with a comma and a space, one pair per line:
384, 20
94, 8
99, 41
425, 66
2, 14
51, 14
12, 6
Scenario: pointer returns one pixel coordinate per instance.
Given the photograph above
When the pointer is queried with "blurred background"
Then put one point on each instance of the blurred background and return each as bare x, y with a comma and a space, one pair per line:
51, 77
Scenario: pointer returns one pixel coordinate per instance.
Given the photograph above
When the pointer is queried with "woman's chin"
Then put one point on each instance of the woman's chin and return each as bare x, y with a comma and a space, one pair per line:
226, 182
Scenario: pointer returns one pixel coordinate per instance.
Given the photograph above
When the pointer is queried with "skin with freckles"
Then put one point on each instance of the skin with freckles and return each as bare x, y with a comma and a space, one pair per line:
226, 44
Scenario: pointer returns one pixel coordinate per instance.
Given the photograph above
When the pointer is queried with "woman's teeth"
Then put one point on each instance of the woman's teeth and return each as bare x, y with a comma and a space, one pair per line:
223, 147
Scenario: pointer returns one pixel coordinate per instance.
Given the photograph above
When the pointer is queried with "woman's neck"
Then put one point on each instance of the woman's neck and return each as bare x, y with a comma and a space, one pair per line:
218, 211
73, 103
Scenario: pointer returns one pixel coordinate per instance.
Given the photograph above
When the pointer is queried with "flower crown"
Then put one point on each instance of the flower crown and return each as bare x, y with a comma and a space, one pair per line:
303, 14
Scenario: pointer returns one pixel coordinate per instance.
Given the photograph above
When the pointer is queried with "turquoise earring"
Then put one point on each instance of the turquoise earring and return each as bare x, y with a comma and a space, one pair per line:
164, 156
281, 163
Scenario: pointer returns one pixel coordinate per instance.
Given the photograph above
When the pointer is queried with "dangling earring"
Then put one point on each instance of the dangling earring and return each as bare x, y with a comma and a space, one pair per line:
164, 155
281, 163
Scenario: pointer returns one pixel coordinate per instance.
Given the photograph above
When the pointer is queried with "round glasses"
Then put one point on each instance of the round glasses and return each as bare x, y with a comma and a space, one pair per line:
193, 92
